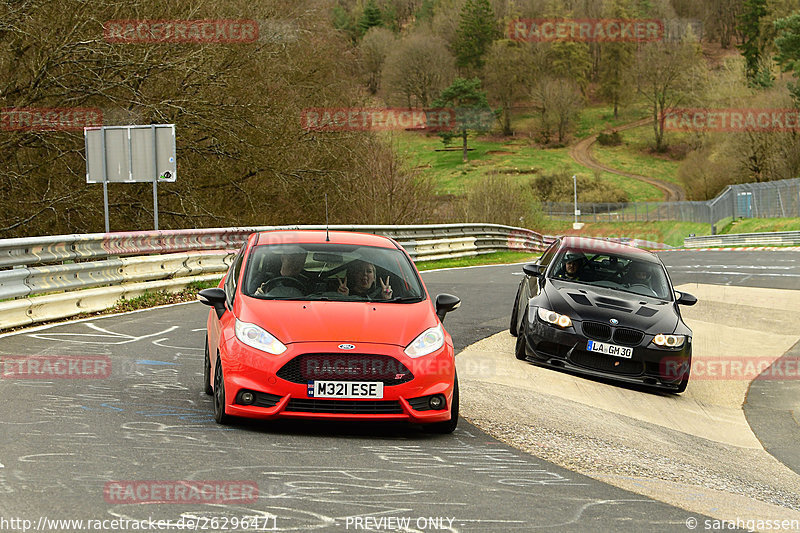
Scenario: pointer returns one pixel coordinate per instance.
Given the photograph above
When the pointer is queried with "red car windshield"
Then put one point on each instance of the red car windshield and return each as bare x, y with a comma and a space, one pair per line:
329, 271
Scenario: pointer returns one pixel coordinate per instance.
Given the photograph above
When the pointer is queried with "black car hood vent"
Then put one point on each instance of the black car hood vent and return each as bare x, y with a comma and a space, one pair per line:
580, 298
615, 308
646, 312
613, 302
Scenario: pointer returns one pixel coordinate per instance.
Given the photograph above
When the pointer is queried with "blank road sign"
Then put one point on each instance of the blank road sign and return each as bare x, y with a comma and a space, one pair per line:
131, 154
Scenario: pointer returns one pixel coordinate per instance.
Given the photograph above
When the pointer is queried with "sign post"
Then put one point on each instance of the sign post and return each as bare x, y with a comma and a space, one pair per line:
130, 154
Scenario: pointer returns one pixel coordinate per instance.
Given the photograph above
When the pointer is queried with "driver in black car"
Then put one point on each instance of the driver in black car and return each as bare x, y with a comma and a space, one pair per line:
639, 274
574, 266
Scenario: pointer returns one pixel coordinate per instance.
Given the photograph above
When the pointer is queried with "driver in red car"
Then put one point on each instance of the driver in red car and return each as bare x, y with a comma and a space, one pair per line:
291, 267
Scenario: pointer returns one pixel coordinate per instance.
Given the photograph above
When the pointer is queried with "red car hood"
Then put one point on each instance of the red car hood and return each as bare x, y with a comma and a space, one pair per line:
350, 322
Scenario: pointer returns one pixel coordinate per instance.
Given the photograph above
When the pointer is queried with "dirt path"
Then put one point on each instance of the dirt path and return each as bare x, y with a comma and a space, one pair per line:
582, 154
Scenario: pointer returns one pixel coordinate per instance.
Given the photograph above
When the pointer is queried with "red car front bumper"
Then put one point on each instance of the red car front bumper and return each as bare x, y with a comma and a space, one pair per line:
251, 370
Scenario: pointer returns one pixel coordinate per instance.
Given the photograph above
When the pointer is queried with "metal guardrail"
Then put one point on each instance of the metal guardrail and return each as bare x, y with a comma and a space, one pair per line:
91, 272
778, 238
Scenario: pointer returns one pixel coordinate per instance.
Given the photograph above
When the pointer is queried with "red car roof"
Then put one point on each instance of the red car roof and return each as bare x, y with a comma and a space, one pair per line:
319, 236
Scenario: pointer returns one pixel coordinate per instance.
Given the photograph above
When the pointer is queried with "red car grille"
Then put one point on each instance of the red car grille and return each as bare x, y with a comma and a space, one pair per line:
350, 407
345, 367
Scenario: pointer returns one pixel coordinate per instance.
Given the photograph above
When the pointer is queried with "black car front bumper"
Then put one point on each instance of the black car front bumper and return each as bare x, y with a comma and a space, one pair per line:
649, 365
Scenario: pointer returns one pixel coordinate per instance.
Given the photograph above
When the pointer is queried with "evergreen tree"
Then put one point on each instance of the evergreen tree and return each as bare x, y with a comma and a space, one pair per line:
750, 28
370, 17
472, 112
788, 45
476, 32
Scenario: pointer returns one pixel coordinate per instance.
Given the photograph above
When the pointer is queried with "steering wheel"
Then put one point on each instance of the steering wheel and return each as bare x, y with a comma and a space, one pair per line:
285, 281
642, 285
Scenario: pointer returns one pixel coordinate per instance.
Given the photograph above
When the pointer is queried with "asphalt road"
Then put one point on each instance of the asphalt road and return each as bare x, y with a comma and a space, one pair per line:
773, 270
66, 441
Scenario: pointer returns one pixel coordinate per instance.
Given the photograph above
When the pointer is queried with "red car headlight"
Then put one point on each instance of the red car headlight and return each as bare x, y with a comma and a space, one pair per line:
427, 342
258, 338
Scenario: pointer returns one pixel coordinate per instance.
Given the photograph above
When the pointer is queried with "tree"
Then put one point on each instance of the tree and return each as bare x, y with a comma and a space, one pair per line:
240, 144
750, 28
417, 69
508, 73
788, 45
558, 102
614, 70
571, 60
469, 102
501, 199
374, 48
344, 22
668, 75
476, 32
370, 17
386, 191
617, 59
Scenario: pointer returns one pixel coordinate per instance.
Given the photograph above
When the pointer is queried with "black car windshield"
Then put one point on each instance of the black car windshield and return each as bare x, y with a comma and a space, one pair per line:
329, 271
613, 270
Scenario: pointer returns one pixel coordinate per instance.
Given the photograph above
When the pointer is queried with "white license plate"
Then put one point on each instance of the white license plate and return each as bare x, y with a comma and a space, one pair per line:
345, 389
610, 349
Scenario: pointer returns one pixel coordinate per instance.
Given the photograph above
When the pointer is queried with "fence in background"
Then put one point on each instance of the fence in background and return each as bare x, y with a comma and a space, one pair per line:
88, 273
772, 199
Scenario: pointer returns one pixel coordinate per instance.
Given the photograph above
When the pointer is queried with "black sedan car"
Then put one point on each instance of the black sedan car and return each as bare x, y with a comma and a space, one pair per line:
604, 309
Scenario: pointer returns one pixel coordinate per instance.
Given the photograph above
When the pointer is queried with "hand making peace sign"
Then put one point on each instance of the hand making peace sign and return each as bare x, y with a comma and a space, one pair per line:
386, 289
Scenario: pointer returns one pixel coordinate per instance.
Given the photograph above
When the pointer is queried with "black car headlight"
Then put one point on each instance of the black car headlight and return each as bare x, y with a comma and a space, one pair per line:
669, 341
556, 319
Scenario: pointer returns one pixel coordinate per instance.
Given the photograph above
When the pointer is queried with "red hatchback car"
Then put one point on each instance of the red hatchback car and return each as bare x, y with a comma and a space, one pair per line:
311, 324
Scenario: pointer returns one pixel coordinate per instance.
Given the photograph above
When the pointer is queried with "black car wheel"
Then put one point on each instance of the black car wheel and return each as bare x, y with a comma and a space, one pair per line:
512, 328
219, 395
682, 387
685, 381
450, 425
207, 372
520, 349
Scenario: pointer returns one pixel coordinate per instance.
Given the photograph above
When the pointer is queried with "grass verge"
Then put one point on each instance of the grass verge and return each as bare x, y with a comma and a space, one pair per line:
671, 233
760, 225
494, 258
154, 299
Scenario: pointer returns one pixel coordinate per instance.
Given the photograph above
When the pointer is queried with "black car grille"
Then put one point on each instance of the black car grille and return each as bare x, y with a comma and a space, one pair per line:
597, 330
351, 407
345, 367
628, 336
605, 363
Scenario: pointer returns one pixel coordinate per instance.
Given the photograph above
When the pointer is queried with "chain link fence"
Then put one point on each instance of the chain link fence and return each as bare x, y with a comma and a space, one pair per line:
773, 199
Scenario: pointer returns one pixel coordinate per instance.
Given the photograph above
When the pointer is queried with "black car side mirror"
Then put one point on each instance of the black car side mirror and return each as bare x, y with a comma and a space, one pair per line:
533, 269
685, 298
446, 303
215, 298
